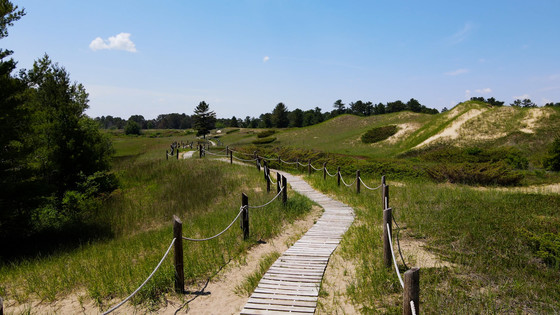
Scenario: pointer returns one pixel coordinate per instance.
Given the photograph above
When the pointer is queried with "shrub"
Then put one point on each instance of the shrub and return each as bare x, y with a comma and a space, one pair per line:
552, 162
132, 128
232, 131
264, 140
379, 134
266, 133
545, 247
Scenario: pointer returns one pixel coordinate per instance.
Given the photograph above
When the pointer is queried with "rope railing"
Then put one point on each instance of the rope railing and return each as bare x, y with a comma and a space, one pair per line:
393, 253
317, 169
347, 185
213, 237
242, 160
366, 186
286, 162
331, 175
145, 281
266, 204
214, 154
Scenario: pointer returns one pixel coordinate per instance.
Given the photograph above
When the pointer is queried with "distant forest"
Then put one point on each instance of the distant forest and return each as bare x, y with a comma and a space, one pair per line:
280, 117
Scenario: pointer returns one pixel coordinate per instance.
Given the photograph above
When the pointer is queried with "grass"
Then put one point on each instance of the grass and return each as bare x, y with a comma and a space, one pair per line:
484, 233
252, 281
205, 194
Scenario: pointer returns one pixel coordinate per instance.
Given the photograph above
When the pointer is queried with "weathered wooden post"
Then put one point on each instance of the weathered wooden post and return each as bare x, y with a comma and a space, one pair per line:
386, 197
278, 182
258, 162
245, 216
411, 291
308, 167
387, 219
267, 178
1, 307
383, 192
177, 153
166, 155
285, 191
200, 151
358, 181
325, 171
279, 161
230, 157
338, 175
178, 249
227, 150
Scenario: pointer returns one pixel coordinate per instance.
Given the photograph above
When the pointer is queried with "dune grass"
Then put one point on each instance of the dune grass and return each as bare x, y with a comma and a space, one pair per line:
205, 194
486, 234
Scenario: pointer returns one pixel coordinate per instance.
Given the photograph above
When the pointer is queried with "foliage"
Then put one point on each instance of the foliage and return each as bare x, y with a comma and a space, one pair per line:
266, 133
132, 128
379, 134
264, 140
552, 162
232, 131
204, 119
545, 246
280, 116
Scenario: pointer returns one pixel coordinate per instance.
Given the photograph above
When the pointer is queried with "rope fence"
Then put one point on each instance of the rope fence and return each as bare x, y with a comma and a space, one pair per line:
222, 232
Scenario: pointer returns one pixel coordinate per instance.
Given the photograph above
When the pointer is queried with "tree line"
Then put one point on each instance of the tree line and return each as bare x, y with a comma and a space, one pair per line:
54, 161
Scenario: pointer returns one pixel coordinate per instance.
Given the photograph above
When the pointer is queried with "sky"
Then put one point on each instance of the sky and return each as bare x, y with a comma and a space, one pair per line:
243, 57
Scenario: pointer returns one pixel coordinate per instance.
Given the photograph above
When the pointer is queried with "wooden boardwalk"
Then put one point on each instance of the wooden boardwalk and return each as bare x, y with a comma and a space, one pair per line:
292, 283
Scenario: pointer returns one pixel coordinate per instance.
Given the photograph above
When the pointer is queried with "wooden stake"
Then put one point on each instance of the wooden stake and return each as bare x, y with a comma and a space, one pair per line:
285, 191
308, 167
411, 291
166, 155
178, 249
177, 153
387, 219
278, 182
338, 175
358, 181
245, 216
267, 178
230, 157
325, 171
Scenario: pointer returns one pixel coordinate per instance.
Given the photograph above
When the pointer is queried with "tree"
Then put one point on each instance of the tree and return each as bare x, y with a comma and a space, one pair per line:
414, 106
280, 116
132, 128
516, 103
552, 162
233, 122
139, 119
204, 119
527, 103
339, 106
296, 118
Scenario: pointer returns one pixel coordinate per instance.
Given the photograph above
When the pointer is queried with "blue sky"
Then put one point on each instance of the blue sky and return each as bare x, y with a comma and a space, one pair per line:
244, 57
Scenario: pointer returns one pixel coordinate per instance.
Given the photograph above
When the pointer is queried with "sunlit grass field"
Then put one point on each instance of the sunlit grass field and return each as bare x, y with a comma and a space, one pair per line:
137, 229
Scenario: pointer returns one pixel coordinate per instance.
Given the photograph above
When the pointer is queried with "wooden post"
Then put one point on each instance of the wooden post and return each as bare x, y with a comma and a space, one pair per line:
387, 219
383, 192
245, 216
297, 164
338, 175
200, 151
264, 169
278, 182
177, 153
179, 272
411, 291
166, 155
258, 164
325, 171
267, 178
358, 181
230, 157
285, 191
308, 167
227, 150
279, 161
1, 307
386, 197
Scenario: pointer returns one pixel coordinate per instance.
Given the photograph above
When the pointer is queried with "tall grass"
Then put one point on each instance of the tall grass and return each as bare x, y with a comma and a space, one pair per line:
485, 233
205, 194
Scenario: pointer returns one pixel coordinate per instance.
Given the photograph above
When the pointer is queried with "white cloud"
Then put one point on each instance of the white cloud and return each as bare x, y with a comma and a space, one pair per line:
266, 58
521, 97
120, 41
484, 91
457, 72
467, 94
462, 34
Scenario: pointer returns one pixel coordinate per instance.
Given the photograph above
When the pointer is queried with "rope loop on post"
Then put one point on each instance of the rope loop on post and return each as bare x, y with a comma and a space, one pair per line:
366, 186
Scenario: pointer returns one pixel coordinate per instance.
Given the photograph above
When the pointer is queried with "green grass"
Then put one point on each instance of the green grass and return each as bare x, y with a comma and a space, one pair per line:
136, 218
252, 281
484, 233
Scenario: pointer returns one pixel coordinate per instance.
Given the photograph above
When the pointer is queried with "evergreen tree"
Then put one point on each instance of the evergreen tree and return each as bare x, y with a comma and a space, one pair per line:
204, 119
280, 116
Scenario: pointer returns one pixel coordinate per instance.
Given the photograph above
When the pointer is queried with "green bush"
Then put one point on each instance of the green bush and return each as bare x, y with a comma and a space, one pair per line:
475, 173
266, 133
545, 246
552, 162
132, 128
379, 134
232, 131
264, 140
